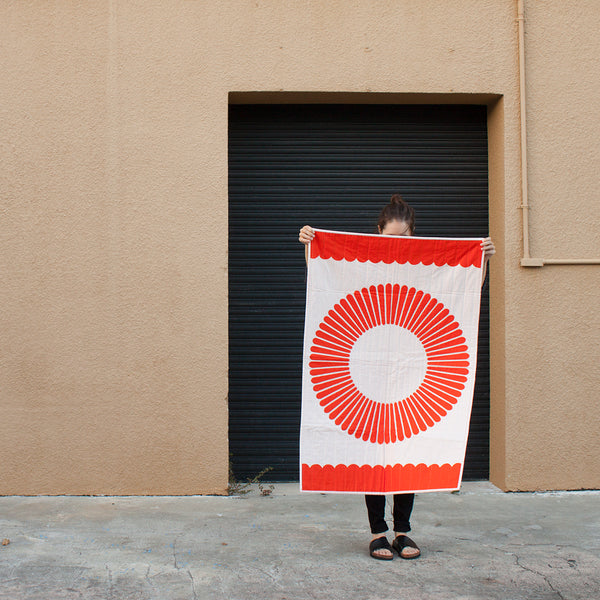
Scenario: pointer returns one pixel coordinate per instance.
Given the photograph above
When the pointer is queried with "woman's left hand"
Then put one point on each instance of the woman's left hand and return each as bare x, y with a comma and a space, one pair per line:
488, 248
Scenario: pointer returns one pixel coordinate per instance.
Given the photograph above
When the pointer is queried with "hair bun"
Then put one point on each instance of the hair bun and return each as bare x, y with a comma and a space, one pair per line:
397, 210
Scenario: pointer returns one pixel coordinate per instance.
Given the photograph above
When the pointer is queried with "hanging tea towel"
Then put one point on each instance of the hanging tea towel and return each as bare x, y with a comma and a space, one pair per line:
390, 348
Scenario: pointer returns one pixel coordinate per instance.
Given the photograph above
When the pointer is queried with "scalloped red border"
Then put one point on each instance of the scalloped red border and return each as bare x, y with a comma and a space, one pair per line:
378, 479
414, 250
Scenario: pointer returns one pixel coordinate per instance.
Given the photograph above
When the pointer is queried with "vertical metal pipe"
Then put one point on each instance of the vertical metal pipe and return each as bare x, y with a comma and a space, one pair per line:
527, 261
523, 109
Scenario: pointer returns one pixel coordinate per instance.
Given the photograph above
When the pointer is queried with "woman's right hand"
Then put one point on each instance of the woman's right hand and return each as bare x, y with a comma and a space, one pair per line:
307, 233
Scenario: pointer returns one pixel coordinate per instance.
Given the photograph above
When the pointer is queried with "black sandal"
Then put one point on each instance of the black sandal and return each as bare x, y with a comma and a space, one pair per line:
380, 543
403, 541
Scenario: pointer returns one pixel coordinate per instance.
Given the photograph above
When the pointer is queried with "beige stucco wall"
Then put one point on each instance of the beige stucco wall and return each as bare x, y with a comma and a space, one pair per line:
113, 374
552, 316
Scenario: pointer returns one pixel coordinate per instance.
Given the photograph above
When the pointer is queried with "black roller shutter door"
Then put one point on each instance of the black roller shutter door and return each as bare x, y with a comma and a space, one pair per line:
333, 167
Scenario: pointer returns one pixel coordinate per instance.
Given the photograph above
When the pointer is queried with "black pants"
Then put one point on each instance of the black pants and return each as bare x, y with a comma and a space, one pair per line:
403, 505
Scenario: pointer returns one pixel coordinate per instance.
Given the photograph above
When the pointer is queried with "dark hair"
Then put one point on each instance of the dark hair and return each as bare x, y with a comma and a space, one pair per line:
397, 210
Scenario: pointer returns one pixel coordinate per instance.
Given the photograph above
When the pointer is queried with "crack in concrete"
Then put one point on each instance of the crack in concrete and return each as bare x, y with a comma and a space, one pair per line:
177, 567
518, 563
194, 596
572, 563
110, 582
148, 580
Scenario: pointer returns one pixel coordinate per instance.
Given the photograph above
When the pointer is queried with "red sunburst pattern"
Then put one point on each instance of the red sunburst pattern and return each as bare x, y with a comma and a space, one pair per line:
437, 331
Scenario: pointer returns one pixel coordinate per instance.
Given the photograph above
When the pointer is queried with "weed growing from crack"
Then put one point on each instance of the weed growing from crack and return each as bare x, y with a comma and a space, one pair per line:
241, 488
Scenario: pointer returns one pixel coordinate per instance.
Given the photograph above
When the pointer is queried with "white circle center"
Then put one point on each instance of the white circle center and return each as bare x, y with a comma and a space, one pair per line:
388, 363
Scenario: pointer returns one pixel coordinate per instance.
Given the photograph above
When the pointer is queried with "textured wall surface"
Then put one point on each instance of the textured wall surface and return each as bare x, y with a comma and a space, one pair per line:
113, 221
552, 318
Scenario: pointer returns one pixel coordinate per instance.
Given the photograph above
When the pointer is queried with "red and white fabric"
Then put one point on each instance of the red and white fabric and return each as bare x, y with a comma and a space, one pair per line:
390, 350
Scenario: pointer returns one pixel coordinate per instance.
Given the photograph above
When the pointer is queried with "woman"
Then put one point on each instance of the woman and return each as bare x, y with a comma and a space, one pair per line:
397, 218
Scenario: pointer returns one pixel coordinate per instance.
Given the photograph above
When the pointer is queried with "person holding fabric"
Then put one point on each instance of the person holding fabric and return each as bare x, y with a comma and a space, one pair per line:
396, 218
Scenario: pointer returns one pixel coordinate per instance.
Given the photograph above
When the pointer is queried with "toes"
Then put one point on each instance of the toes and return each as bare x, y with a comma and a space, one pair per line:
383, 553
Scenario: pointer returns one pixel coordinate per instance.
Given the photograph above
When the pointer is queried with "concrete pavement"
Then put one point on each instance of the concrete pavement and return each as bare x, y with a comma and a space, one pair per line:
476, 544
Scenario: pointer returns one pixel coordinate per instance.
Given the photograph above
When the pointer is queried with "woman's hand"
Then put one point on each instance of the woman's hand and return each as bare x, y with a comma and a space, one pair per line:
488, 248
306, 235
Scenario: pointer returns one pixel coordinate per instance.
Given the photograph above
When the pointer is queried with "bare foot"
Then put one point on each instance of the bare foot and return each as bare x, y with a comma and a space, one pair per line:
407, 551
382, 553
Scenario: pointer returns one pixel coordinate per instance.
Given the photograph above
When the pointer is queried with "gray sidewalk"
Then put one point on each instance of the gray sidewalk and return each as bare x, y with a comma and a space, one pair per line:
479, 543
